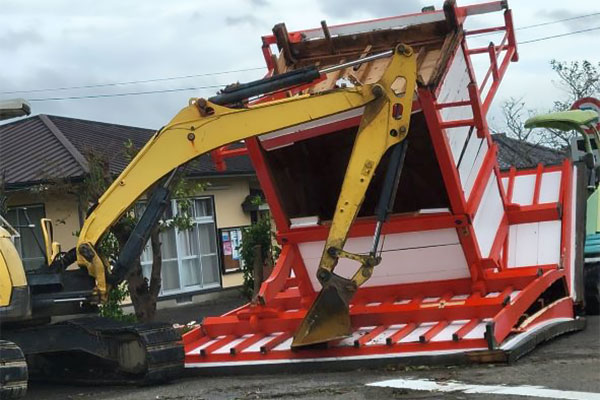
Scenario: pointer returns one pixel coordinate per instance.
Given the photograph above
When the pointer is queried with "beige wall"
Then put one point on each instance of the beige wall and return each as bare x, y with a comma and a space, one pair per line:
62, 209
229, 193
233, 279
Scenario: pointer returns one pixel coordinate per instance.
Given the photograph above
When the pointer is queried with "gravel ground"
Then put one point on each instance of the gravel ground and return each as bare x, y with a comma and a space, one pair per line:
571, 362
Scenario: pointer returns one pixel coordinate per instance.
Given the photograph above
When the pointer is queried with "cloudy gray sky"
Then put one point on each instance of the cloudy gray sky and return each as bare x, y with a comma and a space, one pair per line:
65, 43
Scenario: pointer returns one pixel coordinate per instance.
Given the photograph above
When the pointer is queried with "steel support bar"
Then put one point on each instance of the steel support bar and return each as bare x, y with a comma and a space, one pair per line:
216, 345
402, 333
276, 341
246, 343
465, 329
369, 336
433, 331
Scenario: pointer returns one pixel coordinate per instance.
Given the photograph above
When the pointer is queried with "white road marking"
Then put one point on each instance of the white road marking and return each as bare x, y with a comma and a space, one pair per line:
453, 386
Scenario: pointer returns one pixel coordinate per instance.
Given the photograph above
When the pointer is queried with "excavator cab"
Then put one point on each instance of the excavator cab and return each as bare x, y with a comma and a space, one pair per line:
51, 248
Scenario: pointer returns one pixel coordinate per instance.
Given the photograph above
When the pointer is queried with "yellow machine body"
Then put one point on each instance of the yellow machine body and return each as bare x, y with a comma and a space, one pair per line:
12, 272
203, 126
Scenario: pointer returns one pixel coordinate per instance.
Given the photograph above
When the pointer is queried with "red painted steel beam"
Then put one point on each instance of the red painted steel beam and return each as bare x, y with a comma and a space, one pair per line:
401, 334
538, 183
478, 116
443, 152
276, 281
217, 345
365, 227
482, 180
506, 319
462, 103
276, 341
485, 30
194, 339
500, 239
431, 333
342, 351
510, 51
361, 316
457, 123
493, 62
465, 329
511, 184
534, 213
484, 50
369, 336
510, 30
309, 133
567, 218
244, 344
266, 183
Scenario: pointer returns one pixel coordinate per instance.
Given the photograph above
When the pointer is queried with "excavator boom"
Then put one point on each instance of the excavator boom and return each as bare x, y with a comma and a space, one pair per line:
203, 126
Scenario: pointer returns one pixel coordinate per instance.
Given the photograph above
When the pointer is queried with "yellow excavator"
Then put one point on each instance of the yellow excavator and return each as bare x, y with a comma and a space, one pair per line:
93, 348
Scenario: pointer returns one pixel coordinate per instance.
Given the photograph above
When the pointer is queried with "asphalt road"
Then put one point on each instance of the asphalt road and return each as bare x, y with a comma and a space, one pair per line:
571, 362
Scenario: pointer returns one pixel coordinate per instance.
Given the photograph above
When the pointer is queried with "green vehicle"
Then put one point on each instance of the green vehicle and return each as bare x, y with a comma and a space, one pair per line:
585, 148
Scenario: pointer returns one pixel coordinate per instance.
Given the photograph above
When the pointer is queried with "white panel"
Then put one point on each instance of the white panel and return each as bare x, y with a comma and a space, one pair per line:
573, 230
523, 249
382, 337
400, 22
313, 124
414, 335
523, 189
408, 257
225, 349
478, 332
488, 216
357, 334
468, 161
205, 345
549, 242
470, 180
446, 333
512, 246
535, 243
284, 346
550, 187
454, 88
505, 184
255, 348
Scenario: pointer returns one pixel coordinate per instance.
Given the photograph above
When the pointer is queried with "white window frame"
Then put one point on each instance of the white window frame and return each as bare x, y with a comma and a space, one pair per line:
18, 239
180, 258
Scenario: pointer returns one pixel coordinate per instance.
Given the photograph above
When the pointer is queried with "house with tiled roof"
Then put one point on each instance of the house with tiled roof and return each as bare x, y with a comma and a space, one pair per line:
520, 154
39, 151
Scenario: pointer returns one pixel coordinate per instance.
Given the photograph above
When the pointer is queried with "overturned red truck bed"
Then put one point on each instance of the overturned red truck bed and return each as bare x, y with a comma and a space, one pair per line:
477, 264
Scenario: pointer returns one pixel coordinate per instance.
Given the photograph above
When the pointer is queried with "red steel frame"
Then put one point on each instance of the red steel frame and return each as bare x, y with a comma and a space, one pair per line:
494, 294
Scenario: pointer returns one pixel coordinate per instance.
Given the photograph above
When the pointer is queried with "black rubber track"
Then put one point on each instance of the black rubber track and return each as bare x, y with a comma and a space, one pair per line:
13, 371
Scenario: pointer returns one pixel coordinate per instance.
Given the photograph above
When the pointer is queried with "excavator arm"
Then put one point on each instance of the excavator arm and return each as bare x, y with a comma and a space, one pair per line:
203, 126
197, 129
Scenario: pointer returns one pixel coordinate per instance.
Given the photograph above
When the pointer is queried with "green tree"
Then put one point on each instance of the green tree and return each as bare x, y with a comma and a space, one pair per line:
142, 291
257, 234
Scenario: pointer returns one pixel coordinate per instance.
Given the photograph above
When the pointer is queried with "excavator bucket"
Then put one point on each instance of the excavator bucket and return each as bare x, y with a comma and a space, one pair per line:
327, 319
476, 261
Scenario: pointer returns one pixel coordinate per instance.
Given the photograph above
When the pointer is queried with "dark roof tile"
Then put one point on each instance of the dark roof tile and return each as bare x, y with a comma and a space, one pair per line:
520, 154
31, 152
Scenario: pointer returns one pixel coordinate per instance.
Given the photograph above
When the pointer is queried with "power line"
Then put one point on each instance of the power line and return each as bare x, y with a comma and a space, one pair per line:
95, 96
142, 81
105, 95
171, 78
522, 28
559, 35
557, 21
